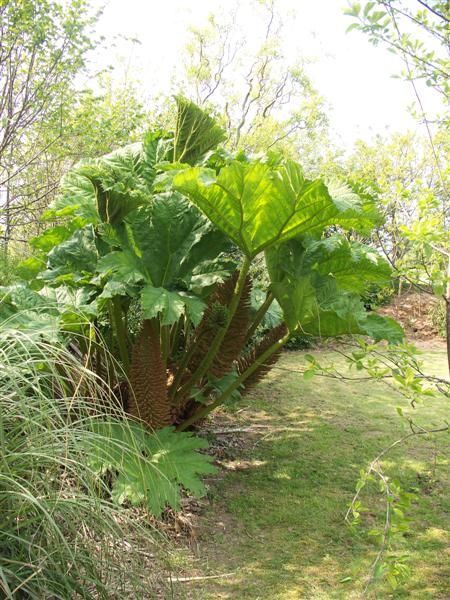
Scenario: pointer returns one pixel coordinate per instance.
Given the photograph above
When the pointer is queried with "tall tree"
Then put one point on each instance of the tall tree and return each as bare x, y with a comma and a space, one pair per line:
43, 46
264, 101
420, 34
90, 124
404, 177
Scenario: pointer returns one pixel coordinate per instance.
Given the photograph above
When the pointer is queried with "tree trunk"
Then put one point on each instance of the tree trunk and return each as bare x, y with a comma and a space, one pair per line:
447, 310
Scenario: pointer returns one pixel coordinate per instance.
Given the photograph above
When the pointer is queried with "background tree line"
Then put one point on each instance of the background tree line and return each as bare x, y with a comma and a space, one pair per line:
51, 118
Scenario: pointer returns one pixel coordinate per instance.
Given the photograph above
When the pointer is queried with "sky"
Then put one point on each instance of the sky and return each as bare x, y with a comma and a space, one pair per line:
354, 77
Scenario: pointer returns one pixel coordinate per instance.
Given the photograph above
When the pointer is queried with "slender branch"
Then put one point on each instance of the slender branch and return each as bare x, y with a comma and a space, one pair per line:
435, 12
414, 20
419, 100
386, 450
374, 468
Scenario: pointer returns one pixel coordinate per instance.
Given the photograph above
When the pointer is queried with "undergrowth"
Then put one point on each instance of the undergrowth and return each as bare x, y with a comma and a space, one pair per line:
60, 535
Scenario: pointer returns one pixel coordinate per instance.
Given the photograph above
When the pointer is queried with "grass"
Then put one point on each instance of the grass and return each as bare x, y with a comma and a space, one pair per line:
60, 536
275, 520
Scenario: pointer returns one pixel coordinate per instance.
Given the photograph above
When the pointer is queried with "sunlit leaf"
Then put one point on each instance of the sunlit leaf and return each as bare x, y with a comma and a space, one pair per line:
150, 467
196, 132
258, 206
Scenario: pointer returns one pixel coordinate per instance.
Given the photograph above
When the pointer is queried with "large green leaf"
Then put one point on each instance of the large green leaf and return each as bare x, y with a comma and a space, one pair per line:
359, 207
109, 188
351, 264
203, 276
113, 288
178, 246
77, 197
170, 305
150, 467
319, 292
258, 206
121, 181
196, 133
29, 268
21, 297
40, 324
74, 305
122, 266
73, 260
172, 253
46, 312
56, 235
171, 249
126, 164
383, 328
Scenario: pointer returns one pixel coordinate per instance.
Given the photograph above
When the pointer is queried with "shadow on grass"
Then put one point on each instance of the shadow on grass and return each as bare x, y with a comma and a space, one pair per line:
276, 518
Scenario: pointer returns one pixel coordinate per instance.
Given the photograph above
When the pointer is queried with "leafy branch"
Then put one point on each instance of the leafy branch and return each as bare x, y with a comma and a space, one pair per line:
396, 502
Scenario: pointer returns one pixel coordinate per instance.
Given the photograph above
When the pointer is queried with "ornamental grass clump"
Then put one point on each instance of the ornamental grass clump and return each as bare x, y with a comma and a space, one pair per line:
60, 536
68, 458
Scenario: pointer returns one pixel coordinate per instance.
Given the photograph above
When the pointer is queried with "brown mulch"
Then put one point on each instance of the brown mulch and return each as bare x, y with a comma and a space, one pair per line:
413, 311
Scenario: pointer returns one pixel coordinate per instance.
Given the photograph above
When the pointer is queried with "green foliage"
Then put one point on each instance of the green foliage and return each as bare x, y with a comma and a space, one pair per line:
389, 565
44, 47
138, 227
316, 284
417, 34
8, 270
55, 511
258, 206
148, 468
197, 133
421, 253
72, 260
414, 234
48, 312
262, 95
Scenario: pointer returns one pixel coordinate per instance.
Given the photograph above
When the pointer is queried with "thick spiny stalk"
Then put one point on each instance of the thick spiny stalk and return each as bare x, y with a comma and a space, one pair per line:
217, 341
244, 362
175, 334
165, 342
193, 347
234, 341
205, 410
213, 319
148, 379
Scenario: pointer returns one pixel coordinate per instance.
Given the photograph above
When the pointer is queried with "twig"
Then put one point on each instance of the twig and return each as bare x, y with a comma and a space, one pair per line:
227, 431
415, 430
187, 579
385, 451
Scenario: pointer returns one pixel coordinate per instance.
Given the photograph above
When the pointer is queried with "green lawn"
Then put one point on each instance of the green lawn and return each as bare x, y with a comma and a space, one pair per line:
275, 520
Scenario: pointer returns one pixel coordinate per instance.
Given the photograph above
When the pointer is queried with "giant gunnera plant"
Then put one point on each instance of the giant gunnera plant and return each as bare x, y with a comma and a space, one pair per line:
154, 244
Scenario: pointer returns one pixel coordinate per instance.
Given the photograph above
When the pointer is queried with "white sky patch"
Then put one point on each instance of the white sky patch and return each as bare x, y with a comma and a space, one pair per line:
354, 77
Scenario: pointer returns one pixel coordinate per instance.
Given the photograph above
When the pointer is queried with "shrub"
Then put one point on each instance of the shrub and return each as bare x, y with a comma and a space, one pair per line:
173, 228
